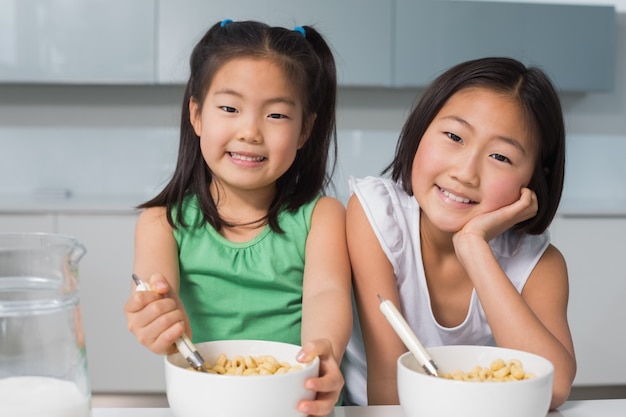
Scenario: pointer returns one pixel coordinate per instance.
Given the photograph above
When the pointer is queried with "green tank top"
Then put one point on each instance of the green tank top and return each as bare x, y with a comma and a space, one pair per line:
250, 290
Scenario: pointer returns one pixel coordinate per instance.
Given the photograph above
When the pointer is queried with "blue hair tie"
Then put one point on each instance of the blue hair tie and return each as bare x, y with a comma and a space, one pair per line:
225, 22
301, 30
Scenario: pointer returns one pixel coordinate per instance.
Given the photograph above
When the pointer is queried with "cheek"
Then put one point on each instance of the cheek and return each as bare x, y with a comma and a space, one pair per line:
426, 165
503, 192
287, 152
210, 143
207, 154
287, 142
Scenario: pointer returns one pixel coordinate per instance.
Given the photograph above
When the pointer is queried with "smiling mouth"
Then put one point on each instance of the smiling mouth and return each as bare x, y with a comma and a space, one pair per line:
246, 157
456, 198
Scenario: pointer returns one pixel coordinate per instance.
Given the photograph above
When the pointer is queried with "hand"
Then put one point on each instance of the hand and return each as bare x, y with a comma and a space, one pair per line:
156, 317
329, 383
492, 224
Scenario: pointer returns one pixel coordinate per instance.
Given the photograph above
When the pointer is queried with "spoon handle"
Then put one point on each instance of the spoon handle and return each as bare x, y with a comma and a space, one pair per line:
184, 345
410, 340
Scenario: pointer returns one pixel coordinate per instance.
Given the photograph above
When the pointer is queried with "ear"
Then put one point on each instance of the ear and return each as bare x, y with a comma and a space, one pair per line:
195, 116
307, 127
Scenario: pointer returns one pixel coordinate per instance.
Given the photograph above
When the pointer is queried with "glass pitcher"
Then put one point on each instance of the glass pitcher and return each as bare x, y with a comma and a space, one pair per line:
43, 361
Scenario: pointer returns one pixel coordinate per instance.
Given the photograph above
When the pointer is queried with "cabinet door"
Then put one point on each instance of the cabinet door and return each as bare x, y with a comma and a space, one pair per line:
574, 44
362, 45
117, 362
16, 223
77, 41
594, 249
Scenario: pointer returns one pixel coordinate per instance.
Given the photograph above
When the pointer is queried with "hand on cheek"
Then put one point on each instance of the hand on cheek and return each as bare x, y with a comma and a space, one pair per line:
491, 224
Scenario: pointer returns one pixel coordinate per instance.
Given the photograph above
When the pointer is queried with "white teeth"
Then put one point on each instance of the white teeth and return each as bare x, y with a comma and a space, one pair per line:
246, 158
455, 197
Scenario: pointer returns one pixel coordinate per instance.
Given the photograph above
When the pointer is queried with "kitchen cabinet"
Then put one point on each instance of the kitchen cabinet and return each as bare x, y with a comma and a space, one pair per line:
36, 222
574, 44
77, 41
406, 43
117, 362
362, 45
398, 43
594, 248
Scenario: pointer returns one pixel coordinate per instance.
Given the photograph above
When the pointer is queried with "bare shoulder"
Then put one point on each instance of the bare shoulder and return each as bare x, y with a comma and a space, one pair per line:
327, 203
328, 209
152, 227
153, 217
549, 277
354, 203
156, 250
357, 223
365, 249
354, 208
326, 250
552, 262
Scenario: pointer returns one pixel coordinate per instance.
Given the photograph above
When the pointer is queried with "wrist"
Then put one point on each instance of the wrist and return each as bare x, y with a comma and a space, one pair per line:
469, 245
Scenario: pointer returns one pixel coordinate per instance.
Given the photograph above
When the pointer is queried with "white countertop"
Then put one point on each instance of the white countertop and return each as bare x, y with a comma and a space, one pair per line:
55, 201
108, 204
590, 408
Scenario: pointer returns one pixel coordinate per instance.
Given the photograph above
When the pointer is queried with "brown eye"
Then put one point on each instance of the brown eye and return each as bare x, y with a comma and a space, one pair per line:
501, 158
454, 137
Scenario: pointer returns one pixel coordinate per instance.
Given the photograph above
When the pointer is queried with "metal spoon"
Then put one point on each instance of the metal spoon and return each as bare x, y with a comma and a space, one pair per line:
184, 345
409, 338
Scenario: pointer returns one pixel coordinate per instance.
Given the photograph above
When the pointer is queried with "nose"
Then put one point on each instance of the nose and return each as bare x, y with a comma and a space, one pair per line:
248, 130
466, 169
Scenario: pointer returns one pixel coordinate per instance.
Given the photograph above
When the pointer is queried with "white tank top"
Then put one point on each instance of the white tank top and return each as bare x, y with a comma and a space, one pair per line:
395, 218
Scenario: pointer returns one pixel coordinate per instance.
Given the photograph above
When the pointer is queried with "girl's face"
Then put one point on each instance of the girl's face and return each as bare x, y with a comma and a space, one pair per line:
475, 157
250, 124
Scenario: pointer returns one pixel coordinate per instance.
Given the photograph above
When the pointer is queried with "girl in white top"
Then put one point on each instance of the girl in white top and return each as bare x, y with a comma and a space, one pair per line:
457, 237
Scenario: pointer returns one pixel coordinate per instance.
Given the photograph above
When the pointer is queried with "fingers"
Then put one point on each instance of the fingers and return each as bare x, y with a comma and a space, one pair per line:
522, 209
158, 283
488, 225
311, 349
156, 321
329, 383
530, 204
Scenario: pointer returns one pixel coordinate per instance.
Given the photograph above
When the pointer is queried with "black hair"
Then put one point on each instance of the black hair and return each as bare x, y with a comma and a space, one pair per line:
307, 60
532, 88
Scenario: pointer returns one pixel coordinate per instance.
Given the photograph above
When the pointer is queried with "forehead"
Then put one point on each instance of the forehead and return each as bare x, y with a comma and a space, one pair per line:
479, 99
253, 74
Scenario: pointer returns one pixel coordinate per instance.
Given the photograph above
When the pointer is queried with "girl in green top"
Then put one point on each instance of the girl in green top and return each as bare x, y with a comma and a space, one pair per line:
224, 245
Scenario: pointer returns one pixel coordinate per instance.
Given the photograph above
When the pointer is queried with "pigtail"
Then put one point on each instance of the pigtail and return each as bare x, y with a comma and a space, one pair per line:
311, 167
326, 111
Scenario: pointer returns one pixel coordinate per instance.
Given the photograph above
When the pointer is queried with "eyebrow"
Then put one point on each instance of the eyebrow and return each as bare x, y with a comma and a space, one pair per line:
279, 99
511, 141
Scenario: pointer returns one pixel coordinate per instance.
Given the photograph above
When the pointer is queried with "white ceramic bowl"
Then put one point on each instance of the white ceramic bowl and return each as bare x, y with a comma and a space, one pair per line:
197, 394
423, 395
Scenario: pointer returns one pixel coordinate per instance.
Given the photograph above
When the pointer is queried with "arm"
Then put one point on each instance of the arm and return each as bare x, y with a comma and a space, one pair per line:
326, 303
373, 274
536, 320
157, 318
